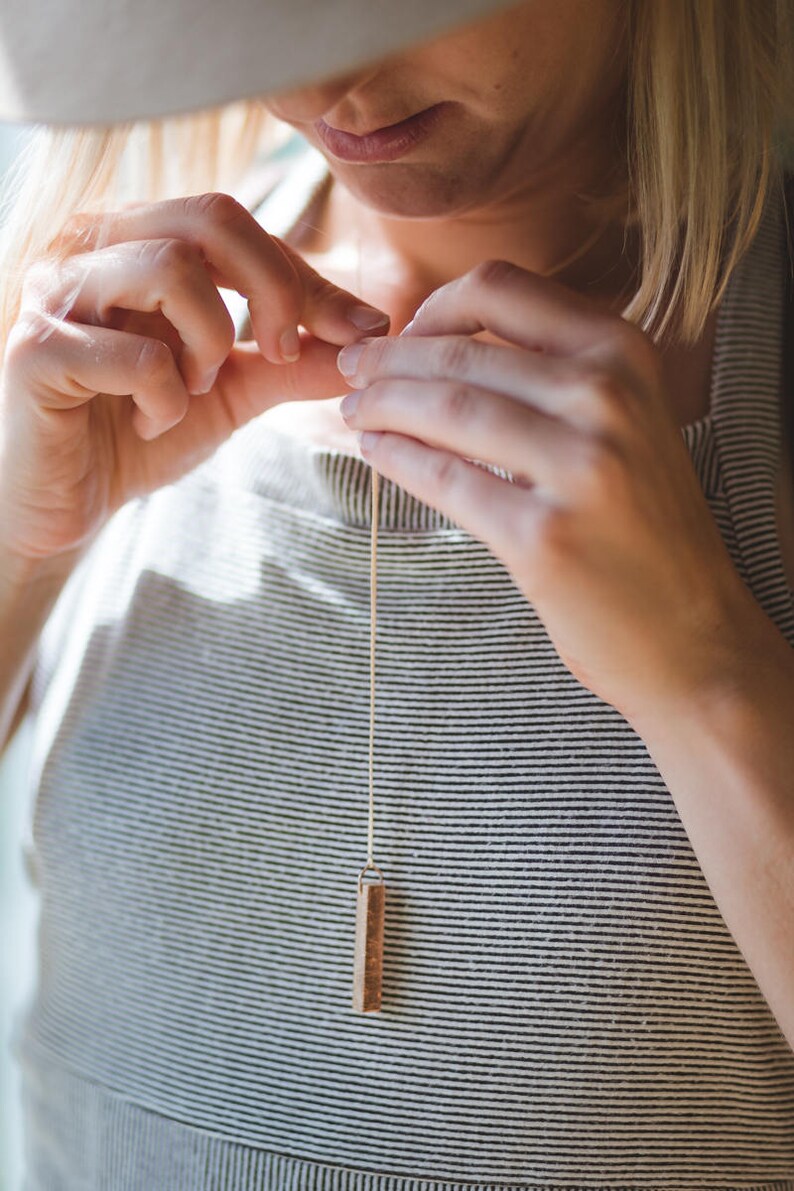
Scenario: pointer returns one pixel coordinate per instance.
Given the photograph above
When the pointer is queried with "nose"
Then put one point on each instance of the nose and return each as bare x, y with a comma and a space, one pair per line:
307, 104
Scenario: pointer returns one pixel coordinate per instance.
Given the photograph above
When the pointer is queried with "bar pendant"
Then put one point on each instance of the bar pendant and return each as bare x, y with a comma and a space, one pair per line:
368, 963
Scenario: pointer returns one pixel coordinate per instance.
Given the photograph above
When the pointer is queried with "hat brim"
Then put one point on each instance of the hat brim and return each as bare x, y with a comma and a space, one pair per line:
109, 61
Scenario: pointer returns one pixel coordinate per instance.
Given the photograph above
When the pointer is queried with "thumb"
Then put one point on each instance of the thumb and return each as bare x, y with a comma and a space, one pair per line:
248, 384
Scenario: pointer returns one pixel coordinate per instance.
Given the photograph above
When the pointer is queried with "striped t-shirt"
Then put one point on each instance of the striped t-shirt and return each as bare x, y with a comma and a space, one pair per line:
563, 1003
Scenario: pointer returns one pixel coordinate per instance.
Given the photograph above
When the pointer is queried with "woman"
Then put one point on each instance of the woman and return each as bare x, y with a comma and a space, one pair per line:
585, 618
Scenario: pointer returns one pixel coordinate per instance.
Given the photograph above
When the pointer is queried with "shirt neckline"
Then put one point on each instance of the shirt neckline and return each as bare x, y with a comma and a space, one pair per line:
282, 212
742, 424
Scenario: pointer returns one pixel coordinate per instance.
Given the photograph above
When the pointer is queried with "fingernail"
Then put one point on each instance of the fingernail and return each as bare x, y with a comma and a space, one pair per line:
368, 440
206, 382
348, 405
348, 357
290, 345
365, 318
150, 428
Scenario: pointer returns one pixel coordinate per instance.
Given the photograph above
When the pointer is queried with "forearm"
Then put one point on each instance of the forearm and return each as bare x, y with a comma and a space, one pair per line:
28, 591
728, 763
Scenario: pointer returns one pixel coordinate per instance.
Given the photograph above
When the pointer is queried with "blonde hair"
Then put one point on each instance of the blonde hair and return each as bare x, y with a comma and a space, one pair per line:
706, 131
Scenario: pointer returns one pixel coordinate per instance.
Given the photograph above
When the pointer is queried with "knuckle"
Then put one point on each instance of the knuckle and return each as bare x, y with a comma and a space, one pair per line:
26, 339
154, 361
609, 395
459, 403
551, 534
454, 355
444, 470
215, 206
599, 468
31, 325
493, 271
322, 289
40, 278
174, 257
78, 230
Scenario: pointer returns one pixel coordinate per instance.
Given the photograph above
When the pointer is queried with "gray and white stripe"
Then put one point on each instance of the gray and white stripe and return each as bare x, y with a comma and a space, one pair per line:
563, 1004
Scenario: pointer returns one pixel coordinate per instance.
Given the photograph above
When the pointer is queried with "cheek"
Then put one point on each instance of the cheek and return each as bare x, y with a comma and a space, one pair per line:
537, 55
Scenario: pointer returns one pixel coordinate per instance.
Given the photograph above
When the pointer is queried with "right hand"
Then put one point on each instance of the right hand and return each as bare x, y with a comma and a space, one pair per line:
104, 388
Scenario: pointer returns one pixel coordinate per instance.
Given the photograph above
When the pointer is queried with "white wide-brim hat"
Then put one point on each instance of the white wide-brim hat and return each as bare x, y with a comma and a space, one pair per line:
106, 61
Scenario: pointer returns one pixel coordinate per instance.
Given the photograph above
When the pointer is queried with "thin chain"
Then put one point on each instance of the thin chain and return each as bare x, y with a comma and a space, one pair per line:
373, 600
373, 588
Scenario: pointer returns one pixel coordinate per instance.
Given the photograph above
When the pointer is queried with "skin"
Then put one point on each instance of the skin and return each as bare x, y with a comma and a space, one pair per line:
535, 92
521, 360
605, 530
528, 165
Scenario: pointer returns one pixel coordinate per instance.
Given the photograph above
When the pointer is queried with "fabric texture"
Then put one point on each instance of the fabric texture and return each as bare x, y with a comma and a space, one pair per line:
563, 1003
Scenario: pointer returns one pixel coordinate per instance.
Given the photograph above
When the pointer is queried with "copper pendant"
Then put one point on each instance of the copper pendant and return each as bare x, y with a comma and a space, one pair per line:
368, 963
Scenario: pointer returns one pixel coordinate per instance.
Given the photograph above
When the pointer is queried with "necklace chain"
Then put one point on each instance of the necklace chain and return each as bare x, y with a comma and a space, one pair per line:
373, 624
373, 606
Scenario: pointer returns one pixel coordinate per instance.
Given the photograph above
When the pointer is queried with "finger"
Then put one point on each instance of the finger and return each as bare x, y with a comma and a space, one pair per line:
582, 392
65, 365
146, 276
522, 307
281, 289
331, 312
248, 384
221, 230
487, 506
471, 422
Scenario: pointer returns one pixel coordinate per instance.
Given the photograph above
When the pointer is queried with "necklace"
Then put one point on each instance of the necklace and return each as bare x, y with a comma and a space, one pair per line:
371, 895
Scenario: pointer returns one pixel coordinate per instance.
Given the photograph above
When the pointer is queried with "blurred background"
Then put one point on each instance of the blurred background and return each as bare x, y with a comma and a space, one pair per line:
17, 925
17, 922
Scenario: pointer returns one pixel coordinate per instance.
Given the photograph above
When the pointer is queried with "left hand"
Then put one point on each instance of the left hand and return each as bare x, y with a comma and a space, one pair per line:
606, 529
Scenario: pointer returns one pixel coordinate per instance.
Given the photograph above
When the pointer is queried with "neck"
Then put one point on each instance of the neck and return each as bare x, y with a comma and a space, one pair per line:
548, 225
540, 229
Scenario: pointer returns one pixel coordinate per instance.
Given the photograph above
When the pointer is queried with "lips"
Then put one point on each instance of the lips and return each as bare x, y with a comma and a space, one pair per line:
382, 144
372, 131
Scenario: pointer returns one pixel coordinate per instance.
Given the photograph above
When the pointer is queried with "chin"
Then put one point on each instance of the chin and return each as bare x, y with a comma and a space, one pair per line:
404, 190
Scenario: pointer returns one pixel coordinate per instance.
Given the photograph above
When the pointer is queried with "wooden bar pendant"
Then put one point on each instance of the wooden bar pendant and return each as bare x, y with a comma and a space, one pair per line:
368, 962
